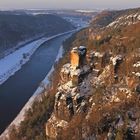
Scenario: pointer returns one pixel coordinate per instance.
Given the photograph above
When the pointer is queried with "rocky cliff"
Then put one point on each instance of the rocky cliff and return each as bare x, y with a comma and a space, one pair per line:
93, 90
98, 94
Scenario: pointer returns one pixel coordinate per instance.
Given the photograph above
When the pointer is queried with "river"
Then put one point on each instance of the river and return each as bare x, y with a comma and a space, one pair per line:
17, 90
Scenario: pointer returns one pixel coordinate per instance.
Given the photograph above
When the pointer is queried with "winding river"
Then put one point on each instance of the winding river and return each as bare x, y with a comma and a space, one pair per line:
17, 90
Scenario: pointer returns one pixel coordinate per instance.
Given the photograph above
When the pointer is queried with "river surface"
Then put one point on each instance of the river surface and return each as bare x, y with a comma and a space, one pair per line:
17, 90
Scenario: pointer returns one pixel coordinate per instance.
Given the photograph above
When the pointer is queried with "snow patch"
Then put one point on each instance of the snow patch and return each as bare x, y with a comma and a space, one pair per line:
136, 74
125, 20
115, 59
62, 123
137, 64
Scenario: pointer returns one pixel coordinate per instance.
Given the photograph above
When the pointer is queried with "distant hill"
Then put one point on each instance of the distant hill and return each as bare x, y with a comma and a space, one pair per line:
106, 17
17, 27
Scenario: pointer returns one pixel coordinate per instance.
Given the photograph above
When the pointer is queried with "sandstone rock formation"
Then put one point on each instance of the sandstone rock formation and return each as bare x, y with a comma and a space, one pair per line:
90, 83
72, 92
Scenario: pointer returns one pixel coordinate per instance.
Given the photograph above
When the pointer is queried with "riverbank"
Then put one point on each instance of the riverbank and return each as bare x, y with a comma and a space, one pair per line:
20, 45
20, 117
10, 64
39, 90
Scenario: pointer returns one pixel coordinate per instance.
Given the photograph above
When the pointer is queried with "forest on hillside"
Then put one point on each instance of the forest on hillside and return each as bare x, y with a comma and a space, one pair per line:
16, 28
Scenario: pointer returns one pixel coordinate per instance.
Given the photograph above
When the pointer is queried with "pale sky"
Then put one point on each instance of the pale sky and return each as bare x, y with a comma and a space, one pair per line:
68, 4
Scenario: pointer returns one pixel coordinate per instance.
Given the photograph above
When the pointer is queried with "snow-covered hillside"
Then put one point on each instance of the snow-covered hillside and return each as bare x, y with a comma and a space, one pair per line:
126, 19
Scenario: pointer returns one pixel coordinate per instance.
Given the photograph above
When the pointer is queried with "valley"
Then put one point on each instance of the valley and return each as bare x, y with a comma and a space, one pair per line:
33, 57
82, 85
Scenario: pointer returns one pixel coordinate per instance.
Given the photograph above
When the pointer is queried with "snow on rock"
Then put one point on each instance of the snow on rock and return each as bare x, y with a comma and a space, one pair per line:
136, 74
112, 23
115, 99
100, 79
62, 123
68, 69
127, 19
75, 72
66, 87
115, 59
138, 17
82, 47
125, 90
97, 54
137, 64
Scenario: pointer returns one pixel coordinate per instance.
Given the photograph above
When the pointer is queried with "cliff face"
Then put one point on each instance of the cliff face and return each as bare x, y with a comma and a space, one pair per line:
98, 94
72, 93
91, 90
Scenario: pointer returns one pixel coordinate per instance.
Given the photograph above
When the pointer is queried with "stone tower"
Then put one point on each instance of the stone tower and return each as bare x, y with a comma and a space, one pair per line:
74, 57
78, 56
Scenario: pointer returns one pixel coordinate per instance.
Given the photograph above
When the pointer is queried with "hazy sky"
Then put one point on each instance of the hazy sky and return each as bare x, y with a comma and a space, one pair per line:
71, 4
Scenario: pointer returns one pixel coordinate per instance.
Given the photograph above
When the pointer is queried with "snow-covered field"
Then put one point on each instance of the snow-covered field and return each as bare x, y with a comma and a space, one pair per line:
14, 61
